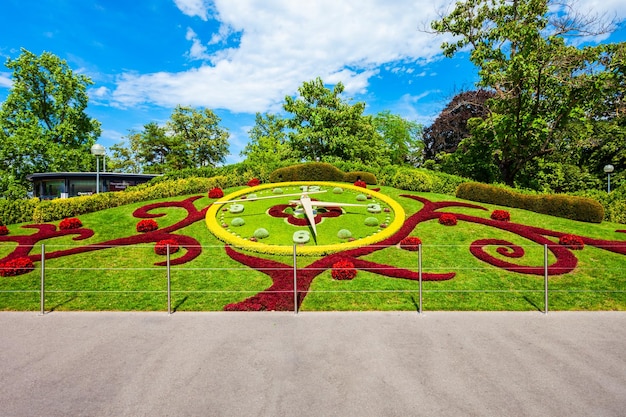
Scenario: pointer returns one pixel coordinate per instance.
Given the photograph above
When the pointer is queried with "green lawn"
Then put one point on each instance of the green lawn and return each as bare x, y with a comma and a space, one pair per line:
125, 278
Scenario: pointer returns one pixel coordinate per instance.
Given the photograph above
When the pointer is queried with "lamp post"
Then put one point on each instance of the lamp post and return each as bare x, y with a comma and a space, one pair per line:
98, 150
608, 169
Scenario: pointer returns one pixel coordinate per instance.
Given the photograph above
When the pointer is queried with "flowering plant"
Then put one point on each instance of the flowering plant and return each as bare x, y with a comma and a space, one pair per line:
16, 266
147, 225
410, 243
572, 242
343, 270
360, 183
501, 215
216, 193
70, 223
254, 182
161, 246
447, 219
4, 230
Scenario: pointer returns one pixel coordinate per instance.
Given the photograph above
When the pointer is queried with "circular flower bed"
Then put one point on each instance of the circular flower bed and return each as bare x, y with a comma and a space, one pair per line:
216, 193
501, 215
572, 242
147, 225
447, 219
161, 246
343, 270
70, 223
4, 231
17, 266
254, 182
411, 243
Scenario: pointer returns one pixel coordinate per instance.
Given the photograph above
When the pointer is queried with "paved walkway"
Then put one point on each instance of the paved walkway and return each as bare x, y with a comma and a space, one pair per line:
313, 364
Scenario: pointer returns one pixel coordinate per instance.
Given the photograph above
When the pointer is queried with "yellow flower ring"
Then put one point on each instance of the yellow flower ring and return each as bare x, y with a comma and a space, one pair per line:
225, 235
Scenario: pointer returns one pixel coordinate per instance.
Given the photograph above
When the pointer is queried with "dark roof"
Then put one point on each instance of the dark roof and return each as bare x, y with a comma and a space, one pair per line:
45, 175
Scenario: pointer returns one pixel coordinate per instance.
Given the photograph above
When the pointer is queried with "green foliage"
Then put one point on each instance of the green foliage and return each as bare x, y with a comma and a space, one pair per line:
190, 139
17, 211
43, 122
319, 171
401, 138
326, 128
560, 205
543, 84
268, 148
412, 180
354, 176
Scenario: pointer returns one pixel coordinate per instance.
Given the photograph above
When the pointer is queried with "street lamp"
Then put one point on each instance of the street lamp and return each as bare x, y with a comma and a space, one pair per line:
608, 169
98, 150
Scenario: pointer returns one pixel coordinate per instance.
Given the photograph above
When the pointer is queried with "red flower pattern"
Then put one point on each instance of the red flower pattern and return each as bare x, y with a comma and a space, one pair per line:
501, 215
343, 270
572, 242
16, 266
161, 246
70, 223
254, 182
147, 225
411, 243
3, 230
216, 193
447, 219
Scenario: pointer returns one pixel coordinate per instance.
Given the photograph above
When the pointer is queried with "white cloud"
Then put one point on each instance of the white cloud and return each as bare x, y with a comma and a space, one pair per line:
282, 44
197, 51
5, 80
192, 8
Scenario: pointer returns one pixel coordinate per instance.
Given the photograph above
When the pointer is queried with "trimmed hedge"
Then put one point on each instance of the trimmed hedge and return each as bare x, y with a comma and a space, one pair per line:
560, 205
319, 171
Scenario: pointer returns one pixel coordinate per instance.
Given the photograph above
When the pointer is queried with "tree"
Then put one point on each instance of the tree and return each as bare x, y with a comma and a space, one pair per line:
268, 148
327, 128
450, 127
43, 121
541, 83
401, 138
199, 132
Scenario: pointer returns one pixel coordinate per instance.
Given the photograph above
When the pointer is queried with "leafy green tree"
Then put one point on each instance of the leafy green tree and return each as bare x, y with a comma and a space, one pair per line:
325, 127
401, 136
43, 121
268, 148
541, 83
199, 132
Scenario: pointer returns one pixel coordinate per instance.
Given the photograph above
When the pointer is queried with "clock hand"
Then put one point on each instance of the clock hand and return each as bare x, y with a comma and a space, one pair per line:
266, 197
305, 201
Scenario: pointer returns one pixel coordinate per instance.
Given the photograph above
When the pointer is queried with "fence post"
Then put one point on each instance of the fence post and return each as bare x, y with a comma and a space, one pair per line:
295, 281
419, 274
42, 301
545, 278
169, 282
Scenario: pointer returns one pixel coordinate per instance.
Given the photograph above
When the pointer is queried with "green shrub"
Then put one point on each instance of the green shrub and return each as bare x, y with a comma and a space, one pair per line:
560, 205
261, 233
319, 171
17, 211
354, 176
344, 234
237, 221
412, 179
371, 221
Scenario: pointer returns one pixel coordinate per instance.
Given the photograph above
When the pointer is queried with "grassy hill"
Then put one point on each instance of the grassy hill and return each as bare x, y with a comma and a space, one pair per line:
83, 272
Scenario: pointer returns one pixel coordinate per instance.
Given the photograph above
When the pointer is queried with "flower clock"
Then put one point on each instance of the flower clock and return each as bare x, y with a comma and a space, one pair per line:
319, 218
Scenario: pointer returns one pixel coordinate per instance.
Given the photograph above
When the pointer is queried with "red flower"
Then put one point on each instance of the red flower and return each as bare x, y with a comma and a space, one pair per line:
343, 270
360, 183
17, 266
501, 215
161, 247
254, 182
411, 243
147, 225
4, 231
572, 242
70, 223
216, 193
447, 219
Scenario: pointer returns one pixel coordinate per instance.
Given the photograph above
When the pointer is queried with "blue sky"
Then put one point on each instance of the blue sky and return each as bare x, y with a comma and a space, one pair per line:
239, 57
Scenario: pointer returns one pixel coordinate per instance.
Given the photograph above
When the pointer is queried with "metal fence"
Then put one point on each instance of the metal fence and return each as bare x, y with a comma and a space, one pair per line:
295, 289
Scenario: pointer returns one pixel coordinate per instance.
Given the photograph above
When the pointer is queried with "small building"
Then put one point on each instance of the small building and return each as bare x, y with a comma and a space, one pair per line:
50, 185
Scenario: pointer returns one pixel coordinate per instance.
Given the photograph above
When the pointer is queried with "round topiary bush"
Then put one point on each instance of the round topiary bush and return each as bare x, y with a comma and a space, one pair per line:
237, 221
371, 221
344, 234
161, 246
216, 193
410, 243
147, 225
277, 190
338, 190
261, 233
343, 270
4, 231
447, 219
70, 223
361, 197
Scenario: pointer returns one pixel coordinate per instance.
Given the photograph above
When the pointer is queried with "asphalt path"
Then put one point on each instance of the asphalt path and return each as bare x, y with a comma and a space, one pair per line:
313, 364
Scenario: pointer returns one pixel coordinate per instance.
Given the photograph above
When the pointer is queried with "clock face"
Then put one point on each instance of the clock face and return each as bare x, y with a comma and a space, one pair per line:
317, 217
